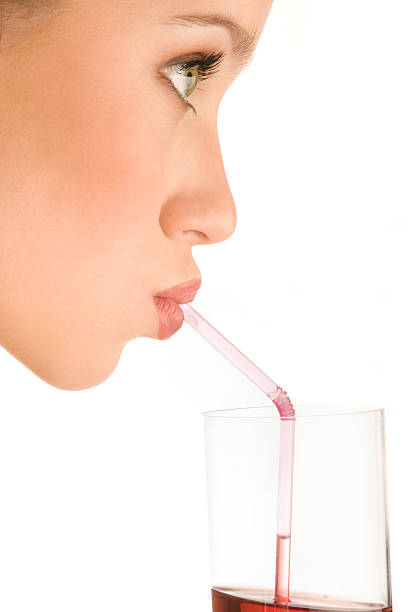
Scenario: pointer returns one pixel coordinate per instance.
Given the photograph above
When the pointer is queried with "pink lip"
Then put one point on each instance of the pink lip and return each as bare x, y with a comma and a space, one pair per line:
167, 303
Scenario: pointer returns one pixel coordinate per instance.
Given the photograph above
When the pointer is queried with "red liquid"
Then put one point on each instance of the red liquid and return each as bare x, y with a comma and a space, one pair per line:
282, 568
254, 601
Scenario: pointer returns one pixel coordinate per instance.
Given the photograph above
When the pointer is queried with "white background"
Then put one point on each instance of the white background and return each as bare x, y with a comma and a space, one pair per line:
103, 501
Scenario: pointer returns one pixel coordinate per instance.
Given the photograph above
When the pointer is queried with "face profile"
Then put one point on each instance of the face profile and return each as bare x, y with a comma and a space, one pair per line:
111, 170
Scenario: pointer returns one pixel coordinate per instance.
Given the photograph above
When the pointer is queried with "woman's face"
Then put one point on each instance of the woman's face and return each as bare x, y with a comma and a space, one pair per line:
108, 178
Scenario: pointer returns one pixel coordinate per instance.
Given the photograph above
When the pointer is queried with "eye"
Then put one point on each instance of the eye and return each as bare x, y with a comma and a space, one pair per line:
184, 73
185, 80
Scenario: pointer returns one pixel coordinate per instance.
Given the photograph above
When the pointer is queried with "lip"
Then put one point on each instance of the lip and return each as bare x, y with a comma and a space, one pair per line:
167, 302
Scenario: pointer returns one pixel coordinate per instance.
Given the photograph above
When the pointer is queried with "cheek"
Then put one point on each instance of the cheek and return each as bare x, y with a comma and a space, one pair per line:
111, 170
110, 148
107, 170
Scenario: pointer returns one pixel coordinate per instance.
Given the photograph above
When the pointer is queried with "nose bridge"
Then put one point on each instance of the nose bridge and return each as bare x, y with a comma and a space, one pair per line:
200, 207
210, 155
212, 187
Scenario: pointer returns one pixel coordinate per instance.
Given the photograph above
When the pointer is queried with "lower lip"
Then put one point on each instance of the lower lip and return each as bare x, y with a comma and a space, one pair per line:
170, 317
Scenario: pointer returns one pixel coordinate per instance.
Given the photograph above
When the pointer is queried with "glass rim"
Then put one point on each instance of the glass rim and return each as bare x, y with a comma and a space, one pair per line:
317, 411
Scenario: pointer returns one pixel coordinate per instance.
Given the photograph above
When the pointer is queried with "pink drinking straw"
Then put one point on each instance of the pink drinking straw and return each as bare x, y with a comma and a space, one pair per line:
287, 437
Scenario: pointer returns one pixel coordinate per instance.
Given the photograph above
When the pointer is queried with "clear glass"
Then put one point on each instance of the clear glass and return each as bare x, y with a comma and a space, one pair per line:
340, 544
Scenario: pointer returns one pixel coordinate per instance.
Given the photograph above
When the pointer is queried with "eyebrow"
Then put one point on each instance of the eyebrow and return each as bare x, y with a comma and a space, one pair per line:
243, 40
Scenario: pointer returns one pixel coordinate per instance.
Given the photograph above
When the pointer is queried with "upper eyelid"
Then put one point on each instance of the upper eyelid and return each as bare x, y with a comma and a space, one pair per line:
209, 63
194, 58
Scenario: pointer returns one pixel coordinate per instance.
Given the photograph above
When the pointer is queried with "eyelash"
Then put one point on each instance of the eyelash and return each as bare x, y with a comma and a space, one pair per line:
207, 64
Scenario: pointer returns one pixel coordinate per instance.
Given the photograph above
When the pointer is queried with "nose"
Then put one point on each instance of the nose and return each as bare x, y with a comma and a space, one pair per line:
200, 208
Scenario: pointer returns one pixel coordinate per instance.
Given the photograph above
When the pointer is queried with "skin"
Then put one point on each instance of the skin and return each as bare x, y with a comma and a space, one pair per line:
107, 178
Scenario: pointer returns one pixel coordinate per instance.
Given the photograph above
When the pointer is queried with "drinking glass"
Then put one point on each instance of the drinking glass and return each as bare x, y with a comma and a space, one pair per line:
340, 544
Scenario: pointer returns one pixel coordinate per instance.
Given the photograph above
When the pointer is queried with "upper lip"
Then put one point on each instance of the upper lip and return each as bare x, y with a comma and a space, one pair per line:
183, 293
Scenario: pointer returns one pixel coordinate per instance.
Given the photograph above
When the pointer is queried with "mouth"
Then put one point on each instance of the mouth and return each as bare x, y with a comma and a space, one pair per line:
167, 302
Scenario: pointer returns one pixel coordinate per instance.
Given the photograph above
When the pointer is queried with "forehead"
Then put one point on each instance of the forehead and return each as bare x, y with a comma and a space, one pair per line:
251, 14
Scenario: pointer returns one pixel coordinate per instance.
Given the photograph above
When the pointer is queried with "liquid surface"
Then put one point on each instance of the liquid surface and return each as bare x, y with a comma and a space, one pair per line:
258, 601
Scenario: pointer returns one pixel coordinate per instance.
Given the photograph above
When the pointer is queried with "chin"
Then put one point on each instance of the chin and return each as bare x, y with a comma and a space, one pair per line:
75, 373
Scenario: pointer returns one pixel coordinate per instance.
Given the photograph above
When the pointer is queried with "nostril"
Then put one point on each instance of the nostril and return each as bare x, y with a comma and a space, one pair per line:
199, 235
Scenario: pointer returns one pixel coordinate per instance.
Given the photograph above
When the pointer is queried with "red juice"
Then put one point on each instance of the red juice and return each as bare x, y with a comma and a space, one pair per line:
260, 601
282, 568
